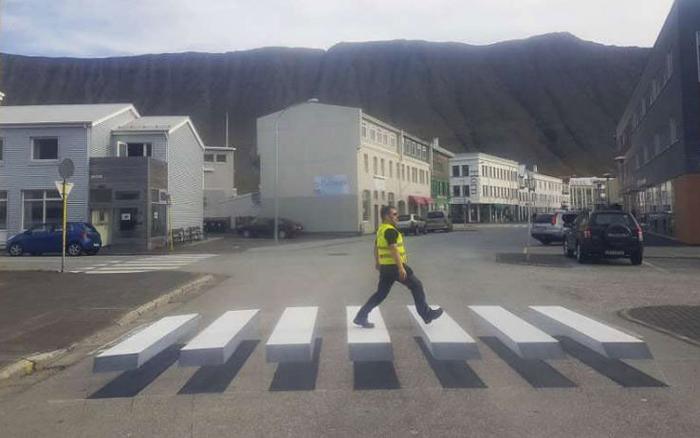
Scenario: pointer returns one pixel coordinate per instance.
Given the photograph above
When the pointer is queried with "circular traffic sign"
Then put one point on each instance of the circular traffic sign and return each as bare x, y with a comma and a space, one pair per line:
66, 168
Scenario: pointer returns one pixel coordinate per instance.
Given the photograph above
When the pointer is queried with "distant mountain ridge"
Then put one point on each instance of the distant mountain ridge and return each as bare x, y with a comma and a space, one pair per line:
553, 100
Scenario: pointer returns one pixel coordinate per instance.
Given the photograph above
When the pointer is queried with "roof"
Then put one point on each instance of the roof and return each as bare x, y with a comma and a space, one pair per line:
167, 124
219, 148
483, 156
92, 114
154, 123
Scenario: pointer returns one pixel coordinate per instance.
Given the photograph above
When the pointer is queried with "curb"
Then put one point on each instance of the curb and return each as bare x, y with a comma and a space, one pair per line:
624, 314
164, 299
30, 364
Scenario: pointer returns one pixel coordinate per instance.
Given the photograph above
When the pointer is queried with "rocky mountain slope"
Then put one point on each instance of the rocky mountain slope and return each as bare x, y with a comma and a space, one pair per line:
553, 100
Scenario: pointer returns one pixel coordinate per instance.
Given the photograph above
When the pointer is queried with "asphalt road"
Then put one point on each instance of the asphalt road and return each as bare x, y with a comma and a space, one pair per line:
498, 395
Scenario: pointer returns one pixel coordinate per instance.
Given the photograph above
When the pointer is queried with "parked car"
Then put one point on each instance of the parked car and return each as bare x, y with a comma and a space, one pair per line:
412, 223
81, 238
605, 233
265, 226
548, 228
438, 220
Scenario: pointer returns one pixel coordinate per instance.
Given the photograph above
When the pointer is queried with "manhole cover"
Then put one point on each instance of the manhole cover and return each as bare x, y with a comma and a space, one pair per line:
547, 260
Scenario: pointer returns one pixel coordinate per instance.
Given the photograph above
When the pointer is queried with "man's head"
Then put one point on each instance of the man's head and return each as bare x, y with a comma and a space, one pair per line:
390, 215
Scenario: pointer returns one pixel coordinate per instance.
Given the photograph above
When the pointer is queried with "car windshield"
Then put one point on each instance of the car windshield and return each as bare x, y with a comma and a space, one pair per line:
543, 219
612, 218
436, 215
405, 217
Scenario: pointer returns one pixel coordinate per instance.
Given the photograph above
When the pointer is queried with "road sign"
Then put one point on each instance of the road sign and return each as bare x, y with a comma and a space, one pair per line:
66, 168
59, 187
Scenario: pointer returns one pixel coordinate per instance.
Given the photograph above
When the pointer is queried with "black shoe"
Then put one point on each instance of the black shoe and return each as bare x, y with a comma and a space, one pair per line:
363, 322
433, 314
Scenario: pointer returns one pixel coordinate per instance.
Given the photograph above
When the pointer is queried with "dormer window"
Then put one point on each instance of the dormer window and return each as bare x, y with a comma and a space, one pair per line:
135, 149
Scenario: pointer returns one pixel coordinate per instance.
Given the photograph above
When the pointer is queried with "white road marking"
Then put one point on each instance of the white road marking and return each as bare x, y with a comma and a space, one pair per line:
662, 270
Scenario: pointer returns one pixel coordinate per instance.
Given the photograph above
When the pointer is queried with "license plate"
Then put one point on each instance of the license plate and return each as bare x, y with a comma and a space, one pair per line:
96, 244
615, 253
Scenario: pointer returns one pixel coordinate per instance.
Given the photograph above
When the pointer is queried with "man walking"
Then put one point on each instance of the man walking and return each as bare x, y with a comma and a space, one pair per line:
390, 259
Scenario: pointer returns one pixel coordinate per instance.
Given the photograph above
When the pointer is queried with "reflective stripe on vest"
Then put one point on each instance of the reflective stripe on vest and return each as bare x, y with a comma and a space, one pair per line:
385, 257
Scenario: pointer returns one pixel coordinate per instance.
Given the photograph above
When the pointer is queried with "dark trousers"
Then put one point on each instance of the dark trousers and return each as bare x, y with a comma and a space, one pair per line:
388, 274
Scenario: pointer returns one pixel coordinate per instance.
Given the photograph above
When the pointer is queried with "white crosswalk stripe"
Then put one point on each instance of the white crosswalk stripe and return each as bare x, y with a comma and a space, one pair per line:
145, 264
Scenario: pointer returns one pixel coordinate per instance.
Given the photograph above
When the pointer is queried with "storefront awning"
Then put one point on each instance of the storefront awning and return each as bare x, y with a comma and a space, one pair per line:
420, 200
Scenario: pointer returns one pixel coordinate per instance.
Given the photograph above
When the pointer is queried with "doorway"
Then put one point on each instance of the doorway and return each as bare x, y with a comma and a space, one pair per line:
101, 220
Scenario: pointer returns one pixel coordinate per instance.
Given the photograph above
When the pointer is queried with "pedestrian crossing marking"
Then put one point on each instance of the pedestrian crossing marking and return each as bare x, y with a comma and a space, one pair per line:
145, 264
368, 345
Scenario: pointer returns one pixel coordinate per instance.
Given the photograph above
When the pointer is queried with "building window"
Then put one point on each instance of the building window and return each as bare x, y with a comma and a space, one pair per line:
372, 134
364, 131
465, 170
135, 150
390, 199
391, 169
3, 210
365, 205
674, 130
375, 161
455, 192
366, 164
41, 207
382, 166
45, 149
403, 172
483, 170
383, 195
127, 196
455, 171
376, 195
484, 191
465, 190
209, 158
220, 158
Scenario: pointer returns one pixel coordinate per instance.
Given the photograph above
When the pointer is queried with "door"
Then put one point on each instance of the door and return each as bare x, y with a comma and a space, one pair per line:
40, 239
101, 220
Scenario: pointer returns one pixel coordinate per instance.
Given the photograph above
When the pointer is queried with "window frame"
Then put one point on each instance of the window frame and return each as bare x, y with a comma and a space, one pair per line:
45, 160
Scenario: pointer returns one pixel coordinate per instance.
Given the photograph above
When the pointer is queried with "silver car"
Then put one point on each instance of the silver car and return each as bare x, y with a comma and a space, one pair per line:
549, 227
412, 223
438, 220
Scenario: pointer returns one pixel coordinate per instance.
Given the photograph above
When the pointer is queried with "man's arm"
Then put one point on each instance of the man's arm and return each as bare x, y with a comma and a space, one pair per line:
397, 259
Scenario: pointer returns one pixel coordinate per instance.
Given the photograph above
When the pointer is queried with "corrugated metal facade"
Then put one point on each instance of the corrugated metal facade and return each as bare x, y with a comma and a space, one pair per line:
19, 172
101, 144
185, 178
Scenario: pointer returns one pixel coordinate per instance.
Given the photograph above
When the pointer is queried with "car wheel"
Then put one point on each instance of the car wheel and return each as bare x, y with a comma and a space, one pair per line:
636, 258
282, 234
581, 257
74, 249
246, 234
15, 250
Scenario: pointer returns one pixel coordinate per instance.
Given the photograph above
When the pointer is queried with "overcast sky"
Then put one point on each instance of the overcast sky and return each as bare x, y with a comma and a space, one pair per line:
95, 28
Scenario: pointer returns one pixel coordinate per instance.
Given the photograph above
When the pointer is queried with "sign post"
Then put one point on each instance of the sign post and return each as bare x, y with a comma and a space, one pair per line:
65, 171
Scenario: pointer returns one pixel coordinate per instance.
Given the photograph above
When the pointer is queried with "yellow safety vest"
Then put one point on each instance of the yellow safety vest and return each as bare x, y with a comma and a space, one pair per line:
385, 257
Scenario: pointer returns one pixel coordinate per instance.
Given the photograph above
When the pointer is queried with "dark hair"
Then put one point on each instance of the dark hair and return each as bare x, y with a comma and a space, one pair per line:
385, 210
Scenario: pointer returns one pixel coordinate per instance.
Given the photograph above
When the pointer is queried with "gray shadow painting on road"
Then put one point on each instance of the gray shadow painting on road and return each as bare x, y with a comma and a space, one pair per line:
374, 375
298, 376
131, 383
451, 373
215, 379
614, 369
538, 373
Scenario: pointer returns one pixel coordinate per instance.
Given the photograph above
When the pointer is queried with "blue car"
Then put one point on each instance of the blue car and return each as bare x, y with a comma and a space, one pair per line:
82, 238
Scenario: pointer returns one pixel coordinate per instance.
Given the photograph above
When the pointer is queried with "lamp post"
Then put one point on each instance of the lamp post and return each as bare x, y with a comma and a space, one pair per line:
277, 168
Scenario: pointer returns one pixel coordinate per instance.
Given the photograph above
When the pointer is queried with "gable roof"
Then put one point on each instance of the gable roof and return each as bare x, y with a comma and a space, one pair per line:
167, 124
91, 114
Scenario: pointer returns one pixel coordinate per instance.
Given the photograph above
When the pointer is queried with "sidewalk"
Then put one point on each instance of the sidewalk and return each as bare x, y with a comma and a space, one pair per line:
44, 311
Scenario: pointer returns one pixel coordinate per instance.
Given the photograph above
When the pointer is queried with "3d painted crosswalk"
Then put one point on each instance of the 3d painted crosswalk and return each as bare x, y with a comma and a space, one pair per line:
293, 338
166, 262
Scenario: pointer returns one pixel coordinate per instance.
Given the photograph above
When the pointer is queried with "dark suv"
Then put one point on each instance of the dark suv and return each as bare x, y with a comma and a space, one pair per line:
605, 233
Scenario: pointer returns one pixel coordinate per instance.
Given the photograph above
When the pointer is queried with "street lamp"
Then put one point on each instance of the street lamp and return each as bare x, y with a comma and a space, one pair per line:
277, 168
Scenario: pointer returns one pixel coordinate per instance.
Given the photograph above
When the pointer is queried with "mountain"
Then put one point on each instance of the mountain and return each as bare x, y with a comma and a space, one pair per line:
551, 100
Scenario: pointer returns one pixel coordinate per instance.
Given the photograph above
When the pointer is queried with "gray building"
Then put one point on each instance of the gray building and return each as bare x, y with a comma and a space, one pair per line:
219, 187
658, 135
34, 139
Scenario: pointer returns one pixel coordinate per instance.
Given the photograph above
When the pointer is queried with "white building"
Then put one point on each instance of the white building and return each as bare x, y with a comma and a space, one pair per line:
539, 193
337, 166
219, 186
484, 188
587, 192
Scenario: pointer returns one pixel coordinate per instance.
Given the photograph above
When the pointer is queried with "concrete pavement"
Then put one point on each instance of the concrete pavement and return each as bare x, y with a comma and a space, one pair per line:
498, 395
